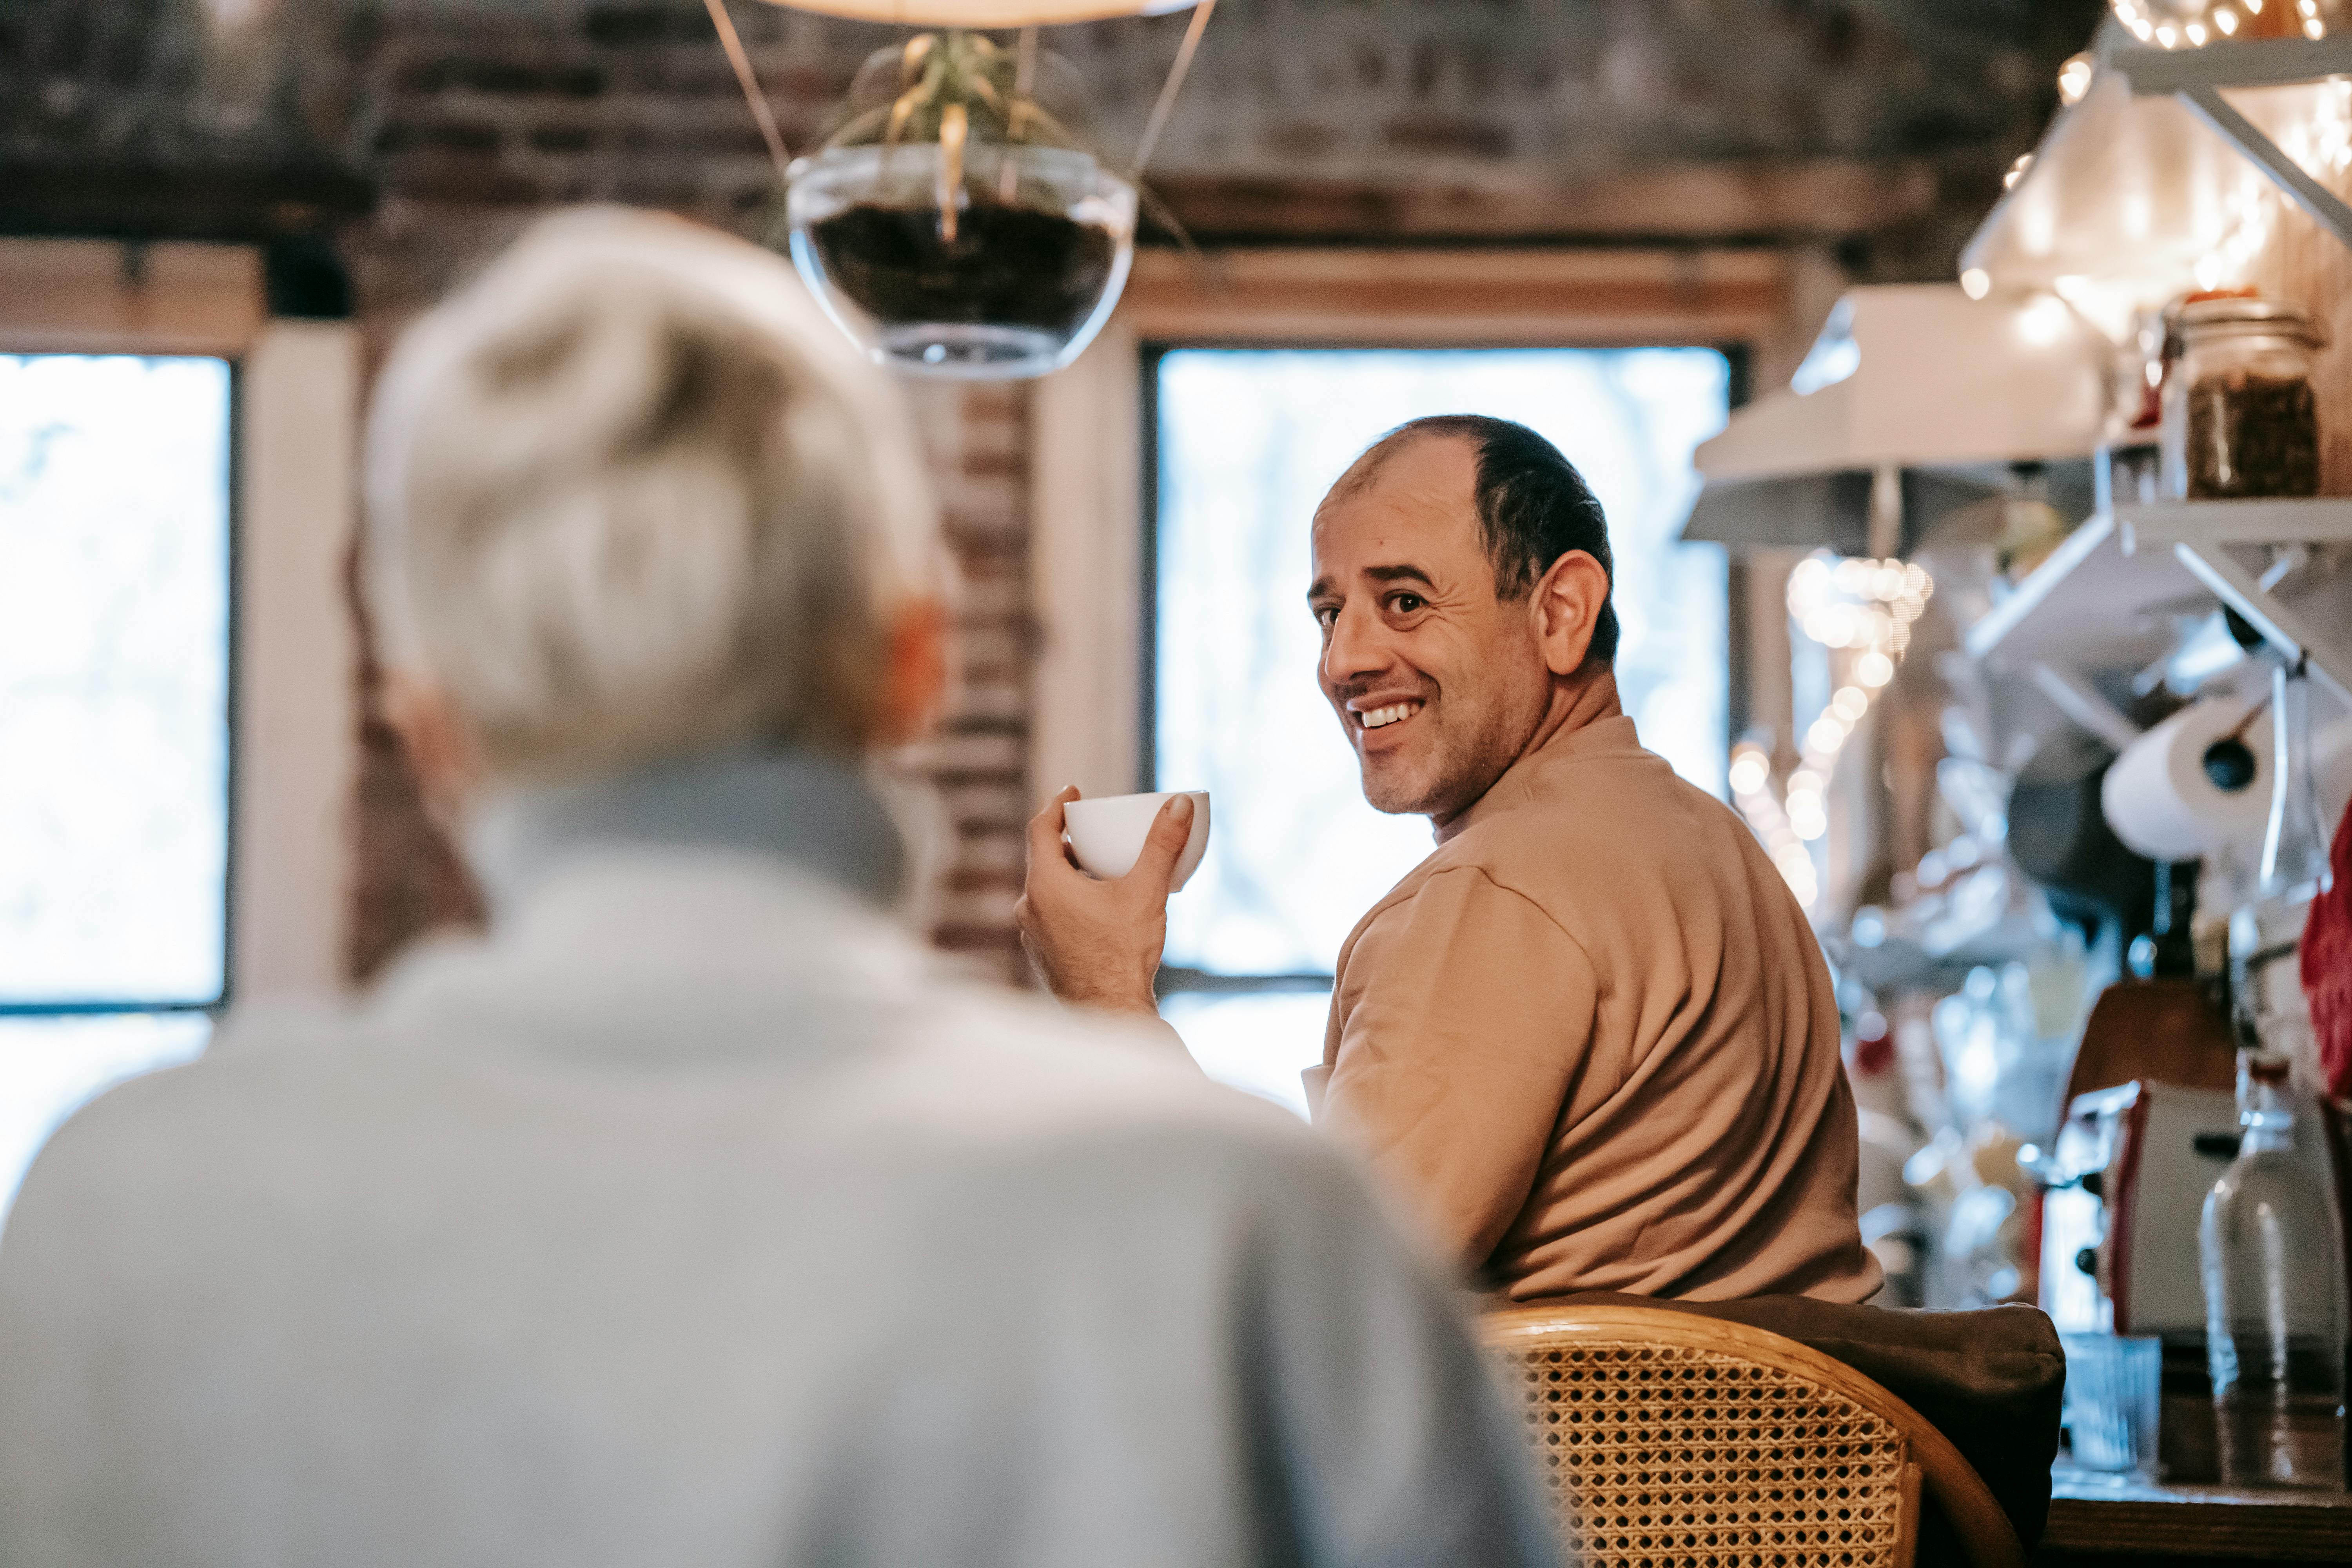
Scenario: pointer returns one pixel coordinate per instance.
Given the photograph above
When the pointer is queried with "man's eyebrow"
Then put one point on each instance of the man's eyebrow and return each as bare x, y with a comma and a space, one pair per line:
1321, 587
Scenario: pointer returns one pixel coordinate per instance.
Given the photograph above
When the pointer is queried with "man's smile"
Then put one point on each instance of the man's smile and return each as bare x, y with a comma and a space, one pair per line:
1383, 713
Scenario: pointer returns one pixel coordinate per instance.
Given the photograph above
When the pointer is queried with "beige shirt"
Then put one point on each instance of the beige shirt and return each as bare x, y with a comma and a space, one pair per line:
1592, 1040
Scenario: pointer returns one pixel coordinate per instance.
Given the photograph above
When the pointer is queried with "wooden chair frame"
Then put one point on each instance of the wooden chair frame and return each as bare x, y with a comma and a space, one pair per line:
1930, 1458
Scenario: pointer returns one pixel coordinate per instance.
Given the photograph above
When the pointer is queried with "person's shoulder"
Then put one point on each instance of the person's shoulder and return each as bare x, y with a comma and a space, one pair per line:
154, 1131
254, 1051
1028, 1066
1105, 1129
1604, 807
1594, 829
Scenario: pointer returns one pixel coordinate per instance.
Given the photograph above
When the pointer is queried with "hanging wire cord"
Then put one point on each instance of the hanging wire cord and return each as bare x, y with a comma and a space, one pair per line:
1153, 129
1026, 71
1174, 85
750, 85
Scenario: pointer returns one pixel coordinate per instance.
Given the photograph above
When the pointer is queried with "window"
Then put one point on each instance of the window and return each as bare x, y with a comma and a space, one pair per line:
114, 715
1246, 441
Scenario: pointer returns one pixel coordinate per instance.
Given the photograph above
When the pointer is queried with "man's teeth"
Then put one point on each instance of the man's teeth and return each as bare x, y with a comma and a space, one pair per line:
1390, 714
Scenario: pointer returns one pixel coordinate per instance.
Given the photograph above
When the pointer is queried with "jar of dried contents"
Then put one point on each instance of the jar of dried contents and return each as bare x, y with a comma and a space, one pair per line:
2238, 418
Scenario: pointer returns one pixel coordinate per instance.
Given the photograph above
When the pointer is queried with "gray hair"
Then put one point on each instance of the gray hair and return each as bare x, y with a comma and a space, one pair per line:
632, 496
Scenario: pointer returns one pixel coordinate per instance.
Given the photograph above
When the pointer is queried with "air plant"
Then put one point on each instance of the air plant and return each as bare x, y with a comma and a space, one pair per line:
950, 89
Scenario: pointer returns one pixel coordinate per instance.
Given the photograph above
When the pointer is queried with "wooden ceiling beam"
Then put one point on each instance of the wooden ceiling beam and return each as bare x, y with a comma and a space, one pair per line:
222, 202
1746, 202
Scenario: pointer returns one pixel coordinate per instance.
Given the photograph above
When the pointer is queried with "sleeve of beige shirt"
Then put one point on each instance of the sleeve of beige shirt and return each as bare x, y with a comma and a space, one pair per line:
1463, 1014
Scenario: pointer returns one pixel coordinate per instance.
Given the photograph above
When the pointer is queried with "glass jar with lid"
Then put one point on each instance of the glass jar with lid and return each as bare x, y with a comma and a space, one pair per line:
2240, 420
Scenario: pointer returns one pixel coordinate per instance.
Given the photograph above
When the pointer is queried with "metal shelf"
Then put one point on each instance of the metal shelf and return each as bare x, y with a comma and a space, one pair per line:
2109, 595
2325, 519
2091, 606
2144, 177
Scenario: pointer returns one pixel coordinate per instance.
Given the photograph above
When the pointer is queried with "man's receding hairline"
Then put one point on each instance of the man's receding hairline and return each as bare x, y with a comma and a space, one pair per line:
1533, 508
1360, 474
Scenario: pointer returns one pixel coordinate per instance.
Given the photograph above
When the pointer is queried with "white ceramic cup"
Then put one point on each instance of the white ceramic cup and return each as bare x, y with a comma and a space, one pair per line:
1107, 833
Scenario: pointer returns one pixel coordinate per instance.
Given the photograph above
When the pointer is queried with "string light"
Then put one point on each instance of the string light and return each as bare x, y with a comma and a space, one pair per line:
1858, 607
2241, 225
2074, 76
1751, 778
2322, 140
2217, 21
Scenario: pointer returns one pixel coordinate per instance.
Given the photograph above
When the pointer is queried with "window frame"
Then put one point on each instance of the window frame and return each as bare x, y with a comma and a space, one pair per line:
1090, 438
295, 658
1095, 434
1174, 979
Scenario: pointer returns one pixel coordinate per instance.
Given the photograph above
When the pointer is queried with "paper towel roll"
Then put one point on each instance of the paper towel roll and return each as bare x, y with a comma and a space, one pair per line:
2158, 799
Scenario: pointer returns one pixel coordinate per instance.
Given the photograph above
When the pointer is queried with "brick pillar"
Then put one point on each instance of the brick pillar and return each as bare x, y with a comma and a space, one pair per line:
978, 441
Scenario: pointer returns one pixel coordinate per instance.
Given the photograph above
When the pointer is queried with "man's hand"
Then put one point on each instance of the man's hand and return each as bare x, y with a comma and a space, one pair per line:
1097, 944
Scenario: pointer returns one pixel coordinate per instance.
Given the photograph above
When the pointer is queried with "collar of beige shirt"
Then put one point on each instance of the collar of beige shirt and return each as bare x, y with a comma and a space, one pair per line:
1585, 717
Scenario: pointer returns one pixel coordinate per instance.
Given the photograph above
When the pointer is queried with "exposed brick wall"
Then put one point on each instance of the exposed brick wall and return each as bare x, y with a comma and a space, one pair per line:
621, 102
519, 101
979, 441
976, 443
1529, 119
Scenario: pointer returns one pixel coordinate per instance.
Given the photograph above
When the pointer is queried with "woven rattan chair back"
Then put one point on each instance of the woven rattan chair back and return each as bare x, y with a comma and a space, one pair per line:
1672, 1440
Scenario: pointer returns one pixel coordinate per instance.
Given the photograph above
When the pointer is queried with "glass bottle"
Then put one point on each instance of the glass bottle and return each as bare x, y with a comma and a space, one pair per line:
2240, 417
2129, 464
2274, 1297
2167, 951
2266, 931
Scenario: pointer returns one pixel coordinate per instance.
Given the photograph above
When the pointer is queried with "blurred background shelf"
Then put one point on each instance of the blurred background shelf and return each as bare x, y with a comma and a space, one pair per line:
2112, 594
2092, 605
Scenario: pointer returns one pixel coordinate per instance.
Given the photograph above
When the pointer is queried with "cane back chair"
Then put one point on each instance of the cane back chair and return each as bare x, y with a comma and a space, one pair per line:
1671, 1439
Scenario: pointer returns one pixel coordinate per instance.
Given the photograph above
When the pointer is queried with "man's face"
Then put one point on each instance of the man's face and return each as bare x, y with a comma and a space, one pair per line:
1438, 682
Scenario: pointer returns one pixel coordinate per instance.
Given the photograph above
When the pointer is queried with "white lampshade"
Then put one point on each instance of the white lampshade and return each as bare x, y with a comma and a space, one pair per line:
984, 13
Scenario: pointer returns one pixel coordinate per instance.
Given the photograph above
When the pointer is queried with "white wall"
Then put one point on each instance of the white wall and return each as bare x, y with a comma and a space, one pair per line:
296, 726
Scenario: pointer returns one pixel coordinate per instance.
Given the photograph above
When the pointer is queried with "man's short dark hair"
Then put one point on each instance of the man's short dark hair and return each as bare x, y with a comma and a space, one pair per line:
1533, 506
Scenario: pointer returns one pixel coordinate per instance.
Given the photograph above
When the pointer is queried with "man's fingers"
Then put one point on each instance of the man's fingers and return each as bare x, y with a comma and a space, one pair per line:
1165, 843
1045, 828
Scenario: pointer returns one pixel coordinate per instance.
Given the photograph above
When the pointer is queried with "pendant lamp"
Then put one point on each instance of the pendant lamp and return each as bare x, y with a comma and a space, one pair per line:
951, 222
984, 13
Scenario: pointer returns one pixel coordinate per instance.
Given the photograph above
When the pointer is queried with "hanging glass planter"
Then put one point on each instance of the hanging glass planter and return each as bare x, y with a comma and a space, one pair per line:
952, 225
951, 222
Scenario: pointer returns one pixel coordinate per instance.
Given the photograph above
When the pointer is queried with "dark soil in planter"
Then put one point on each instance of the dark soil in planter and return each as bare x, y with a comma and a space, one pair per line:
1006, 264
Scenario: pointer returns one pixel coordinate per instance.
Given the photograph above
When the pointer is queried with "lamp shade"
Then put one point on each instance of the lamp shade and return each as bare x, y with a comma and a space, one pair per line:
984, 13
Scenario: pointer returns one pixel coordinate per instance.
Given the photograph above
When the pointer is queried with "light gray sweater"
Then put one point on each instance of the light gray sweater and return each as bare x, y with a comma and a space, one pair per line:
695, 1217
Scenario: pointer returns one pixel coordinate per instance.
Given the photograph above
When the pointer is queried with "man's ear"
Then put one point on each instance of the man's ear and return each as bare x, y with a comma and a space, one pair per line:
441, 751
915, 685
1567, 606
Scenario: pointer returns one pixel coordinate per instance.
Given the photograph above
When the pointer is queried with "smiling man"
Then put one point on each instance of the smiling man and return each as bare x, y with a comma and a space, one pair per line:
1590, 1039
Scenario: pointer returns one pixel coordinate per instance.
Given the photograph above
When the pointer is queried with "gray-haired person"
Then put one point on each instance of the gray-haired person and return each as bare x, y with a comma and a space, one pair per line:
692, 1215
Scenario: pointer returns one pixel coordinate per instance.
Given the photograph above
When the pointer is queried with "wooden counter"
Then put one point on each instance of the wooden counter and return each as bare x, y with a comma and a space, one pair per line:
2092, 1520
